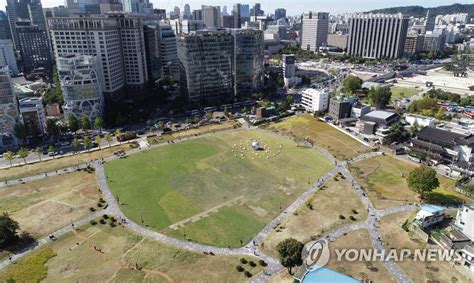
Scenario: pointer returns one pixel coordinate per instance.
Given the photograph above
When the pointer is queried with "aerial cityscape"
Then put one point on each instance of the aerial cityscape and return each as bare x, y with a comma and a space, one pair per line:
236, 142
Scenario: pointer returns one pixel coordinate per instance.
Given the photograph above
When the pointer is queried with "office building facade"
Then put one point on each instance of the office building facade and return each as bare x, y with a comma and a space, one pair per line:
34, 48
377, 36
314, 100
117, 40
206, 59
280, 13
80, 83
168, 50
314, 32
7, 56
33, 115
211, 16
9, 115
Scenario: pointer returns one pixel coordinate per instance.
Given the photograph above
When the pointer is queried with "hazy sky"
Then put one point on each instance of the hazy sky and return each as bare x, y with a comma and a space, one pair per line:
293, 7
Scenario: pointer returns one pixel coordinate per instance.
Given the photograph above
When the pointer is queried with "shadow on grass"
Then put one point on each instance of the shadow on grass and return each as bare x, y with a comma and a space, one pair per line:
442, 199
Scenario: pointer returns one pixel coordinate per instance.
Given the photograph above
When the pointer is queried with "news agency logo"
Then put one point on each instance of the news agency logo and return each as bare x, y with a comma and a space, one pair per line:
315, 254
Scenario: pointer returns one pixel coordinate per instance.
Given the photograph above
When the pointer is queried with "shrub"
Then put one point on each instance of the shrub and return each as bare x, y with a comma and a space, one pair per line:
239, 268
354, 211
262, 262
248, 274
93, 222
99, 204
113, 219
342, 216
112, 224
102, 221
105, 216
102, 200
252, 264
92, 209
352, 218
243, 260
309, 205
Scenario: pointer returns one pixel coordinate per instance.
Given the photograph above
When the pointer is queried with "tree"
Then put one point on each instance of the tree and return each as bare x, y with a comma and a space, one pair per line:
73, 123
9, 155
209, 116
440, 113
39, 152
51, 149
23, 153
20, 130
52, 128
108, 138
352, 84
397, 134
97, 140
289, 251
423, 180
379, 97
76, 143
86, 123
87, 142
98, 123
54, 94
8, 230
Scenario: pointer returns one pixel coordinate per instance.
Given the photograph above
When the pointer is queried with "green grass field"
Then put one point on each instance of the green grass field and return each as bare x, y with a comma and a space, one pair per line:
214, 190
306, 126
399, 93
384, 178
72, 258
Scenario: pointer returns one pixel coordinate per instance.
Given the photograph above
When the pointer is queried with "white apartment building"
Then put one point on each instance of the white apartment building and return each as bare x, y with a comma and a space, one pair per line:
315, 30
7, 56
80, 83
315, 100
421, 121
33, 114
117, 40
465, 220
288, 68
9, 115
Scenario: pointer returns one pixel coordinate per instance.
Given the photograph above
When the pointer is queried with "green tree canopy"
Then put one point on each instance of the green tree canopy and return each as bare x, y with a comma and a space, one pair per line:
289, 252
8, 230
20, 130
379, 97
98, 123
86, 123
9, 155
23, 153
72, 123
423, 180
352, 84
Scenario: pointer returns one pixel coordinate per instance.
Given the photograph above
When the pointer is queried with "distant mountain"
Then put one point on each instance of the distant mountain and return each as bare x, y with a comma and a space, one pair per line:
418, 11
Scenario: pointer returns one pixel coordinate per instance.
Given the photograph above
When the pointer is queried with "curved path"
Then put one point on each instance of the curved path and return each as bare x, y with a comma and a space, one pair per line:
251, 249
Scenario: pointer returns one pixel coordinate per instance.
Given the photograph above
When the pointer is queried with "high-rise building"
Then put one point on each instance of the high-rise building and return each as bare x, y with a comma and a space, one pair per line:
414, 43
177, 12
138, 6
227, 21
434, 42
118, 40
197, 15
185, 26
211, 17
280, 13
78, 7
161, 13
168, 50
5, 32
7, 56
24, 10
314, 100
80, 83
245, 12
33, 115
377, 35
257, 11
9, 115
34, 48
224, 11
186, 12
236, 16
314, 32
248, 62
206, 59
107, 6
152, 50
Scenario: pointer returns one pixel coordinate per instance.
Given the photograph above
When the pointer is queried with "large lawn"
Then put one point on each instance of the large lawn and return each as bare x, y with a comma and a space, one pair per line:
57, 163
214, 190
334, 199
384, 178
43, 206
75, 258
306, 126
395, 237
399, 93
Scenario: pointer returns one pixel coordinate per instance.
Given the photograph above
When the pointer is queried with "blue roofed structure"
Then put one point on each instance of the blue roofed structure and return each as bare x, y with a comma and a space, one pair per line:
327, 275
432, 208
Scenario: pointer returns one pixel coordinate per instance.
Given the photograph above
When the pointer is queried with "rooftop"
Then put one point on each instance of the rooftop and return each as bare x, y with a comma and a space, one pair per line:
324, 274
379, 114
432, 208
445, 136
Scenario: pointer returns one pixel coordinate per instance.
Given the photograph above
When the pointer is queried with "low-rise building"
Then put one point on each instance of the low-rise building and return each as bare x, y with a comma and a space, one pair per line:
421, 121
446, 147
9, 115
465, 220
33, 114
429, 215
377, 122
468, 257
315, 100
339, 108
359, 110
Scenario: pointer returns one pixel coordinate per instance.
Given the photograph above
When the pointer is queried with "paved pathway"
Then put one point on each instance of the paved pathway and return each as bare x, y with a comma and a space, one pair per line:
251, 249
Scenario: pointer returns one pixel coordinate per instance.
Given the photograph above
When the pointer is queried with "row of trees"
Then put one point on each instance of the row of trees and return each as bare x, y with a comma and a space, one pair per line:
74, 124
